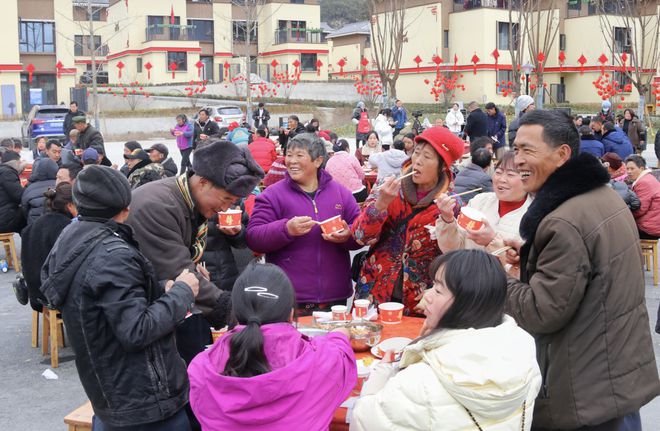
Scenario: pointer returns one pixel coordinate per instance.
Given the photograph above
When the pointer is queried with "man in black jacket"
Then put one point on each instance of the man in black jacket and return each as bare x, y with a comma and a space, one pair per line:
119, 318
205, 128
260, 116
11, 192
477, 122
68, 119
90, 137
158, 153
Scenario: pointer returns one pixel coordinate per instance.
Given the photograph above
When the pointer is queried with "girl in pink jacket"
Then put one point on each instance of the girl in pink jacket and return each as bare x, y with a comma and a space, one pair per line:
264, 374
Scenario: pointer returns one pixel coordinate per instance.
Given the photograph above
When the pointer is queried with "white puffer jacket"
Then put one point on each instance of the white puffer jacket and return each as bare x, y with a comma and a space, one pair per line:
382, 126
491, 372
450, 237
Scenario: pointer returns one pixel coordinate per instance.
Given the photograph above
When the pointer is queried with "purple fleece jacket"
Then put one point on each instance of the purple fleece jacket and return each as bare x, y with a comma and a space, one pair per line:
319, 270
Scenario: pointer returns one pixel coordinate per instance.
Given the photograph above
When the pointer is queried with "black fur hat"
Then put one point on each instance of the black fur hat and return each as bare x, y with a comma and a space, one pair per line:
228, 166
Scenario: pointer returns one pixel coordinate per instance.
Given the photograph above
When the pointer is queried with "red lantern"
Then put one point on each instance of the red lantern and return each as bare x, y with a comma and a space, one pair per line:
226, 66
582, 60
496, 55
602, 60
30, 70
199, 66
562, 58
148, 66
417, 60
364, 62
120, 66
59, 67
341, 63
624, 58
296, 65
475, 60
319, 64
274, 64
173, 68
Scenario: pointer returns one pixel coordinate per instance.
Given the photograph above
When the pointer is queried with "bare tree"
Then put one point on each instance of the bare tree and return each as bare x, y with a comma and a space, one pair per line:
639, 21
388, 34
516, 43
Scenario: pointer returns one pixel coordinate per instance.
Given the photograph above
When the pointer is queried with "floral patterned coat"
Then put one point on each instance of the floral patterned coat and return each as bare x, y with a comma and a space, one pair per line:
403, 252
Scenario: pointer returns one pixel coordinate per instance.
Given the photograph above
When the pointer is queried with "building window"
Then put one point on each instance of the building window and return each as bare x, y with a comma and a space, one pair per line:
562, 42
298, 30
36, 36
155, 24
367, 41
298, 1
96, 14
82, 48
505, 76
622, 40
202, 30
308, 62
239, 33
139, 65
503, 42
445, 39
180, 58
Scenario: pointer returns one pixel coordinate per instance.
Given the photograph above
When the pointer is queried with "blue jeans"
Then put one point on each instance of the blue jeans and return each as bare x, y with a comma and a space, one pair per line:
178, 422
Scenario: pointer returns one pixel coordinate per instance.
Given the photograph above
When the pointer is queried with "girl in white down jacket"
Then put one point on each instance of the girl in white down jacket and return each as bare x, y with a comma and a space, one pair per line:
473, 368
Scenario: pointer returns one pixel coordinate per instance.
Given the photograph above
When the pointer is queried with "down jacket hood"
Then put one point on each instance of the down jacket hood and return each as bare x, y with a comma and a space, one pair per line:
394, 158
46, 170
488, 371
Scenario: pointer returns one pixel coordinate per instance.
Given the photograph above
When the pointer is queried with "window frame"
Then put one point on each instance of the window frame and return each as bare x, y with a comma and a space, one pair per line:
193, 34
509, 77
305, 62
515, 36
25, 45
621, 47
240, 25
181, 61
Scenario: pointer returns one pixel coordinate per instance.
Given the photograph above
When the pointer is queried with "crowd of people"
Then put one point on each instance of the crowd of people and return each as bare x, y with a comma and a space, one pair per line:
534, 320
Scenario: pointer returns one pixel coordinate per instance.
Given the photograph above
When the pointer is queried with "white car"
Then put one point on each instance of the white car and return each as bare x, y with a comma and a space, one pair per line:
225, 115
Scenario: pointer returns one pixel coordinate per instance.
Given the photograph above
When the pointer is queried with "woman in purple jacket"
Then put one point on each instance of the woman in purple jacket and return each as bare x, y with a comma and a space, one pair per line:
184, 140
264, 375
284, 226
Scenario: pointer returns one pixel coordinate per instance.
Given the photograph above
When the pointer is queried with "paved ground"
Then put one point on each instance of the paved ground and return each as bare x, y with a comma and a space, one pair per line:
29, 402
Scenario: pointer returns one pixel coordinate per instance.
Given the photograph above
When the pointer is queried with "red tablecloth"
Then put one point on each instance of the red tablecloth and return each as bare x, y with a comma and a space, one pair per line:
409, 327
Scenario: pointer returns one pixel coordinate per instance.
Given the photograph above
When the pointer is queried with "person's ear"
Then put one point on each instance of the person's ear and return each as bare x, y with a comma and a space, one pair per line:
318, 162
291, 315
564, 152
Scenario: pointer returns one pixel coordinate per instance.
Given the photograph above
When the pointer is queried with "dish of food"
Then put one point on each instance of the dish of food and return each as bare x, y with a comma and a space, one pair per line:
397, 344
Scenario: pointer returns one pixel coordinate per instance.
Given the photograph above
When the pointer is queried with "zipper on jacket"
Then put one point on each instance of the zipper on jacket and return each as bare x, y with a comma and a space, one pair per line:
153, 367
544, 371
316, 210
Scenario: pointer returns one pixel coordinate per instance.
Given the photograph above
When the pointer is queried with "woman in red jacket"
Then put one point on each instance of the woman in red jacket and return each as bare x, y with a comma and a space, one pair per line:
647, 188
392, 221
262, 149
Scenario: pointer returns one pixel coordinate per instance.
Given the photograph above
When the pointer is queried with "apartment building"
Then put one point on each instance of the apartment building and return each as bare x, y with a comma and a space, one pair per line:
183, 40
462, 31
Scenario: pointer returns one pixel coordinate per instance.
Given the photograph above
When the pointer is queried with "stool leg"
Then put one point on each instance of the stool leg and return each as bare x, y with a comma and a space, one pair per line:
655, 264
14, 256
45, 331
60, 334
35, 328
54, 342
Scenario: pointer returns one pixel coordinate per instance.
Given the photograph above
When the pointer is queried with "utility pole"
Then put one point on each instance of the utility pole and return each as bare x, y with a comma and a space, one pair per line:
249, 23
92, 48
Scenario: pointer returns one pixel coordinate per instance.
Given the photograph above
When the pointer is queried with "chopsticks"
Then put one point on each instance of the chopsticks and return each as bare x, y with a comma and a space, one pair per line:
501, 250
400, 178
478, 189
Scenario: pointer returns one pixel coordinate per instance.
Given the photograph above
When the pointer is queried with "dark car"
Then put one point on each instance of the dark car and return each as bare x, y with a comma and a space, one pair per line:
101, 77
44, 120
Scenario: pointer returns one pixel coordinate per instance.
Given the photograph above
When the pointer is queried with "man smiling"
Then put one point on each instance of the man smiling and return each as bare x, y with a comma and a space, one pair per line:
581, 287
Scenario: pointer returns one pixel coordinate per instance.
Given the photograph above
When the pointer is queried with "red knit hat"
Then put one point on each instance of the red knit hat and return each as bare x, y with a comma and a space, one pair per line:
448, 146
233, 126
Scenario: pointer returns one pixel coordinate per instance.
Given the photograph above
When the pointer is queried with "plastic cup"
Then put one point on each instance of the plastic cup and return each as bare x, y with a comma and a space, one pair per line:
471, 219
391, 312
332, 225
78, 151
361, 306
230, 218
363, 374
339, 312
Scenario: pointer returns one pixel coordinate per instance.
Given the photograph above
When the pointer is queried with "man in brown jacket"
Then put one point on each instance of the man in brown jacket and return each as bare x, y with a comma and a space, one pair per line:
581, 287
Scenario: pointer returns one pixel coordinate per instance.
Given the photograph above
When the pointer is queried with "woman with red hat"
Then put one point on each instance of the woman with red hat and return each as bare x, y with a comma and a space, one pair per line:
393, 218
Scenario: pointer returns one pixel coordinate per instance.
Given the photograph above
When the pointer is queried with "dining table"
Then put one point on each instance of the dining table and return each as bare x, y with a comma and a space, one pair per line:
409, 327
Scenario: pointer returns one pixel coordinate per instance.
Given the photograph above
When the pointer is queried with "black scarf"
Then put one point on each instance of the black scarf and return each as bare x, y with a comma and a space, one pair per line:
577, 176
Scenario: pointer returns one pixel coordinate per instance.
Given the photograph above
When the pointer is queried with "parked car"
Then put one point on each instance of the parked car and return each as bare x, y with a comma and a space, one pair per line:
101, 77
44, 120
225, 115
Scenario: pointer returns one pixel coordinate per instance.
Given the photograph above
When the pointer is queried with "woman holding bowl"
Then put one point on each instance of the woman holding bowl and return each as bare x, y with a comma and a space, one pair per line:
502, 209
285, 226
392, 221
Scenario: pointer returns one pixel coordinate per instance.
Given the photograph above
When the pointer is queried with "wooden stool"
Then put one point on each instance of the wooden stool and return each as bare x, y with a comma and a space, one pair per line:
81, 418
52, 331
35, 328
650, 253
13, 260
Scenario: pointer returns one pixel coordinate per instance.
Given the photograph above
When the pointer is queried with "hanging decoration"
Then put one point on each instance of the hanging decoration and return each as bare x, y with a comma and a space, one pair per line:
417, 60
602, 60
126, 1
562, 59
582, 60
455, 62
319, 64
475, 60
199, 66
172, 20
496, 56
226, 67
438, 61
59, 67
30, 70
364, 62
624, 58
274, 64
296, 65
173, 68
148, 66
120, 66
341, 63
541, 59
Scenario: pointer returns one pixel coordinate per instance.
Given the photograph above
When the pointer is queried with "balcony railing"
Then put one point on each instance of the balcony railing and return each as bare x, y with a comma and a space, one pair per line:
577, 8
461, 5
167, 32
292, 35
80, 51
